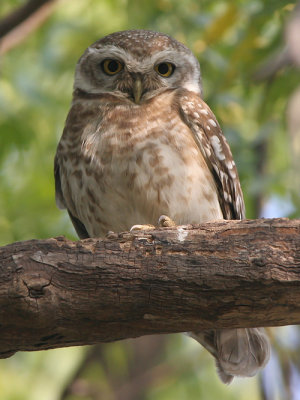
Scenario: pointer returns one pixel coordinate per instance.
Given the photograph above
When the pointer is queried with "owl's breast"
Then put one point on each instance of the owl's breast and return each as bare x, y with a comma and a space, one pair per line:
139, 163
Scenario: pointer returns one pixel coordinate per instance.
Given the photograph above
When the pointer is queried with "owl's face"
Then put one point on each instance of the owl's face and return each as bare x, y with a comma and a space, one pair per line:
137, 65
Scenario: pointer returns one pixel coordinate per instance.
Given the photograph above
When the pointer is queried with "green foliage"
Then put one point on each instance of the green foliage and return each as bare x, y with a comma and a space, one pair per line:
231, 40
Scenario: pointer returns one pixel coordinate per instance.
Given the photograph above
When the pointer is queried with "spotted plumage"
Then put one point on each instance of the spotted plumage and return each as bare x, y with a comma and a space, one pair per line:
140, 142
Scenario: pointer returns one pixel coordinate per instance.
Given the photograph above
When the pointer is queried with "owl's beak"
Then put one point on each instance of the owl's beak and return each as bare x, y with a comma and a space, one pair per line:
137, 90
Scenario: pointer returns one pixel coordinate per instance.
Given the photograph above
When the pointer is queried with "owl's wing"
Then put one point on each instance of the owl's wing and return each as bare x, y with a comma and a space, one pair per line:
216, 152
60, 201
59, 197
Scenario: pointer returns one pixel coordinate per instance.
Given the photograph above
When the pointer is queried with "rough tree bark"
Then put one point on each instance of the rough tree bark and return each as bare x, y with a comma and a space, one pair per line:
56, 293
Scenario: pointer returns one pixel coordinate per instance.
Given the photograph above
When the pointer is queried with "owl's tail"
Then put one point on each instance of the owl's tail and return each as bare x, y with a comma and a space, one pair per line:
238, 352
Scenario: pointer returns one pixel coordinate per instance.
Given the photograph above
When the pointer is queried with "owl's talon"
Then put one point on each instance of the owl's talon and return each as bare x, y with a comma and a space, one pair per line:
111, 235
165, 222
146, 227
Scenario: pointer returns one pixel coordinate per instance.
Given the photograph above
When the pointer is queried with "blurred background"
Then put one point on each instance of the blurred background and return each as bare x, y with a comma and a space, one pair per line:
249, 56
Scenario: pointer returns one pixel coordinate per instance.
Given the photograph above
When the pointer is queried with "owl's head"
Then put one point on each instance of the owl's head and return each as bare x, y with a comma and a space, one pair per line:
136, 65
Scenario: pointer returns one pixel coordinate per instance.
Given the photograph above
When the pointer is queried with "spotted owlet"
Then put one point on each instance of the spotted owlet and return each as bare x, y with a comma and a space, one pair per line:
139, 142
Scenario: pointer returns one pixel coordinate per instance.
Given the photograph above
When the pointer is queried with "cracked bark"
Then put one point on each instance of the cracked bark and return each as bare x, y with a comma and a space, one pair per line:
58, 293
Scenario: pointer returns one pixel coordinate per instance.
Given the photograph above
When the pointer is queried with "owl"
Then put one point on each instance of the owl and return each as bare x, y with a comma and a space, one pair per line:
139, 142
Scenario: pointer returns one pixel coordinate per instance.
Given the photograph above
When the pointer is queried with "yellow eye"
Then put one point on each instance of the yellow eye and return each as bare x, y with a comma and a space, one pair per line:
165, 69
111, 67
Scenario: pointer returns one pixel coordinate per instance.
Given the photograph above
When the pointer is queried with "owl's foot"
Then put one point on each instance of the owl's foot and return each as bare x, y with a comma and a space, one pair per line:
111, 235
163, 222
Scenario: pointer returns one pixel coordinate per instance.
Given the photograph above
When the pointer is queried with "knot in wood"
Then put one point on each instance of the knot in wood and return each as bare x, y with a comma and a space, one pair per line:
36, 287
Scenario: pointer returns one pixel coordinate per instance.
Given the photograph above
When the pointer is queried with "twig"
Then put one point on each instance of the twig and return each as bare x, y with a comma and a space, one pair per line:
17, 26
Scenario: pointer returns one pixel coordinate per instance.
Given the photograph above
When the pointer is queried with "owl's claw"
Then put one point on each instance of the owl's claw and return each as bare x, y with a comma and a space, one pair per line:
146, 227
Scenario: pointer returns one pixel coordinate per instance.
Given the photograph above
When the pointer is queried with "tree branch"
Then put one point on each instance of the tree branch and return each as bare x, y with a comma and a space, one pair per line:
15, 27
19, 15
287, 55
57, 293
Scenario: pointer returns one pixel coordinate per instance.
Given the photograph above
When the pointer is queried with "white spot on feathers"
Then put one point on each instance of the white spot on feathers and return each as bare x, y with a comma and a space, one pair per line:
212, 122
216, 144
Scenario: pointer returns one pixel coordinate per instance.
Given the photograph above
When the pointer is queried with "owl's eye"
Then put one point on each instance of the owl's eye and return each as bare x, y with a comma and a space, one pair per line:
111, 67
165, 69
